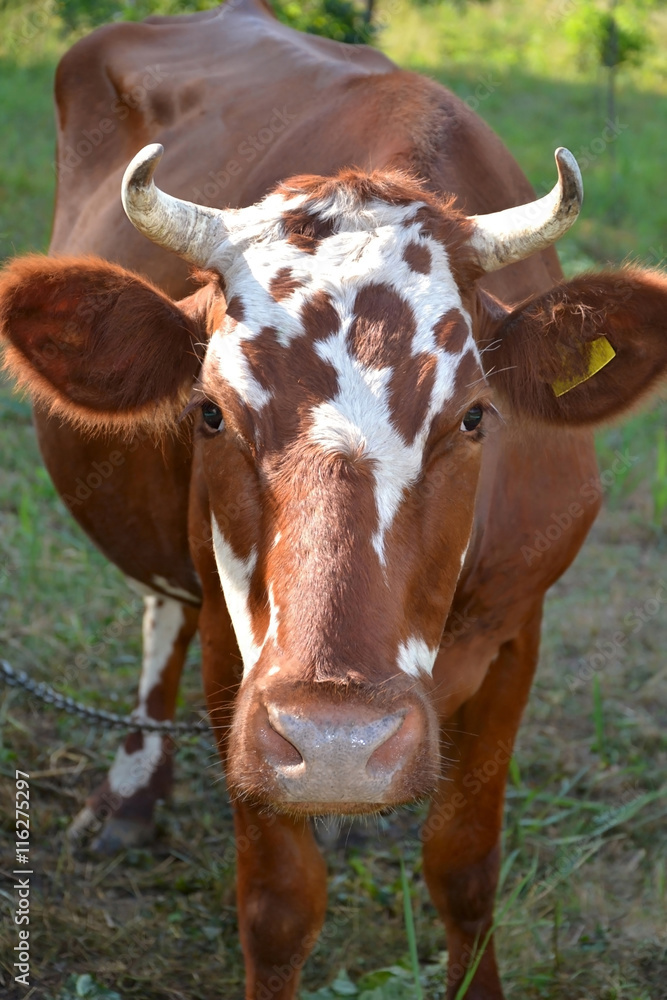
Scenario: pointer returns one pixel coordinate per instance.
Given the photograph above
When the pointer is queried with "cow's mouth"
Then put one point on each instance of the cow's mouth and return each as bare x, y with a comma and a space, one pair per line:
317, 756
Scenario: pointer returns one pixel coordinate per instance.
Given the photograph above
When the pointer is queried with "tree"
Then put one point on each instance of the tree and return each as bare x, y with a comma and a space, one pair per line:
343, 20
614, 34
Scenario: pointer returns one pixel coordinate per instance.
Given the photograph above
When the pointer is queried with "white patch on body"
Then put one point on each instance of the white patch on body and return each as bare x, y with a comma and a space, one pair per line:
165, 587
163, 620
130, 772
142, 589
416, 657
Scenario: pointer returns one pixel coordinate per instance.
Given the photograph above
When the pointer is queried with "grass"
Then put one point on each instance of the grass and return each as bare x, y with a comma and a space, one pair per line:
583, 907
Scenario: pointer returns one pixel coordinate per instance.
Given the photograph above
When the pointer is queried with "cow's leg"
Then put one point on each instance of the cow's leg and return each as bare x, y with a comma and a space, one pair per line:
462, 833
120, 810
281, 876
282, 896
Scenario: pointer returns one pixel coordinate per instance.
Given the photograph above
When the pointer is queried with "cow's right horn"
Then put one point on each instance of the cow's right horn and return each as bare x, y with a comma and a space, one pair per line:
191, 231
501, 238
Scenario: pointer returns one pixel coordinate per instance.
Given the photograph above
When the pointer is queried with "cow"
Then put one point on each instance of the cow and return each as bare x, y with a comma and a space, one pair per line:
331, 445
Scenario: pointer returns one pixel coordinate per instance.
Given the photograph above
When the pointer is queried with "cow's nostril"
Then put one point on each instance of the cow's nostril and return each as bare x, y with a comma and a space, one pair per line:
278, 750
401, 743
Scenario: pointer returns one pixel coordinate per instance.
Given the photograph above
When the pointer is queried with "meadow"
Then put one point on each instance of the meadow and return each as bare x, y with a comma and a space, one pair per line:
582, 911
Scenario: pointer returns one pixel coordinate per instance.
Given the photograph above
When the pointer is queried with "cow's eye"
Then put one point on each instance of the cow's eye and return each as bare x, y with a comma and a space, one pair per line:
212, 415
472, 419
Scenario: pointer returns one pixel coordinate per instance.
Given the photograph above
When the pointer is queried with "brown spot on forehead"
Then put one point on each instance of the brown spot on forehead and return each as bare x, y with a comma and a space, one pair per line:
306, 230
410, 394
319, 317
451, 331
418, 257
383, 327
235, 309
283, 284
449, 227
297, 379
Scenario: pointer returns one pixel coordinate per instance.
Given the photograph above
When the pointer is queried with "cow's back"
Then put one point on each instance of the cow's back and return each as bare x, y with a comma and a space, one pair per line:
240, 101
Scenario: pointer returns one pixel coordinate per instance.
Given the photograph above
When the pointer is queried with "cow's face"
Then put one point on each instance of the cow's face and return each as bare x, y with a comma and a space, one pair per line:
342, 382
342, 378
341, 407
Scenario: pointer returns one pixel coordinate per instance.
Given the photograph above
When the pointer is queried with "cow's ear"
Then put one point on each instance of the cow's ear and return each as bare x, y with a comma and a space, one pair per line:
97, 344
585, 351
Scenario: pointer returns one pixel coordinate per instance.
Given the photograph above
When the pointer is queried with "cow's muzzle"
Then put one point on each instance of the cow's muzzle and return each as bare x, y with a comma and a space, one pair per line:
320, 750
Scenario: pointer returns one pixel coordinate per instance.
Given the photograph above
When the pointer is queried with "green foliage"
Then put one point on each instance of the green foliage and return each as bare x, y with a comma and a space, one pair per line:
410, 930
392, 983
342, 20
615, 34
86, 988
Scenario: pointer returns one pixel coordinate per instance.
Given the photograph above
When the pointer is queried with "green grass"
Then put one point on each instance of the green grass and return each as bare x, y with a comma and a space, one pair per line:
513, 64
583, 906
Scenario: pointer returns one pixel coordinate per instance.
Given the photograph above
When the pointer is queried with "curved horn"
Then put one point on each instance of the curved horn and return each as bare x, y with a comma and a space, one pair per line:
503, 237
191, 231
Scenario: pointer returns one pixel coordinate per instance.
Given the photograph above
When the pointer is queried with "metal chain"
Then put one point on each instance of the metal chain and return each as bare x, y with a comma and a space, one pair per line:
109, 720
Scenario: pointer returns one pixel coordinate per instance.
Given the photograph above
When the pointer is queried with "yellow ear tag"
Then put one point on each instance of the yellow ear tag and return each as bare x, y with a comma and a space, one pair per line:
600, 353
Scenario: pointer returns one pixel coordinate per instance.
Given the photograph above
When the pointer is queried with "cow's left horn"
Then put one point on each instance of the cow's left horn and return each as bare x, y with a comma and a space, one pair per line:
503, 237
191, 231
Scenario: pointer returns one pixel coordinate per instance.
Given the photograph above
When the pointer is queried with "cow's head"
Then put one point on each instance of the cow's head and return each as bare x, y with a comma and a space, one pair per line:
340, 373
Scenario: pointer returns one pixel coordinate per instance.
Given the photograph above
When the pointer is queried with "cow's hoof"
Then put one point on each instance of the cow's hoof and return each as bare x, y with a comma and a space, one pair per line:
110, 836
82, 827
121, 834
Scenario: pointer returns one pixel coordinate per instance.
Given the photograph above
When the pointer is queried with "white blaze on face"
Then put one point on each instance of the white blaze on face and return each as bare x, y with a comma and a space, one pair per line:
274, 620
358, 420
367, 247
416, 657
226, 353
235, 575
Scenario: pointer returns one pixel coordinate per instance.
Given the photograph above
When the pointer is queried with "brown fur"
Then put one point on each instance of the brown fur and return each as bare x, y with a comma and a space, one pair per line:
546, 340
96, 343
418, 257
345, 107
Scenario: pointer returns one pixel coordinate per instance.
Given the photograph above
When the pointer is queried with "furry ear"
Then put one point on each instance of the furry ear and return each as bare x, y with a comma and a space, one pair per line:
585, 351
98, 344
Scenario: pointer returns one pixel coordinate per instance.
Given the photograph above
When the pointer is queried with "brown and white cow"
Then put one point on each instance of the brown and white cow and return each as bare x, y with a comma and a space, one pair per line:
373, 430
